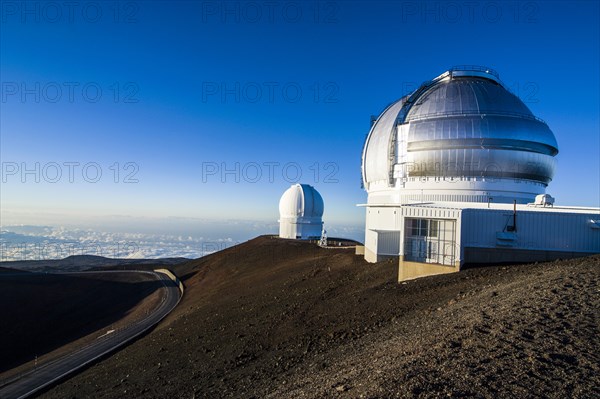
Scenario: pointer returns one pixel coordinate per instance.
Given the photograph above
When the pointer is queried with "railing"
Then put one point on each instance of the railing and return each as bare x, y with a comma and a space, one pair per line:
477, 68
474, 113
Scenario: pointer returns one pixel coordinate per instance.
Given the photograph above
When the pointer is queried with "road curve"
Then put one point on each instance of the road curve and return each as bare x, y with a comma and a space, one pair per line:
49, 373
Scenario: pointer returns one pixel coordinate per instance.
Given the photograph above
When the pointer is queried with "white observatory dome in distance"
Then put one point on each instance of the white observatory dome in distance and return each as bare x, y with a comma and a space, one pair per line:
301, 212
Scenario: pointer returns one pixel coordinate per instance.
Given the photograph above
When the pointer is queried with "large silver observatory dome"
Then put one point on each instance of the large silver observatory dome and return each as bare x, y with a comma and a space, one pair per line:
462, 136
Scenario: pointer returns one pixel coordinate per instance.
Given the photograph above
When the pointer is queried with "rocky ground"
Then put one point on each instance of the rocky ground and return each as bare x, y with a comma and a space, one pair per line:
284, 319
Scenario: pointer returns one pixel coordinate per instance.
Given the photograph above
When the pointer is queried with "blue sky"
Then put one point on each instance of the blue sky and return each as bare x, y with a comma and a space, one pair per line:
172, 94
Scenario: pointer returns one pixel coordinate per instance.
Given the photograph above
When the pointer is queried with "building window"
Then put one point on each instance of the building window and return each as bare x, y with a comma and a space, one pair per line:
422, 227
430, 241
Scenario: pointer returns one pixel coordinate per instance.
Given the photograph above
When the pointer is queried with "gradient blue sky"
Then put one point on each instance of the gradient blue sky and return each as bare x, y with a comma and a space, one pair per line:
172, 60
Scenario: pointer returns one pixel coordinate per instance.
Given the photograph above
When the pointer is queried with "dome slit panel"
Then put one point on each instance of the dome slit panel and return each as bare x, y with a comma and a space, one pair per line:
302, 201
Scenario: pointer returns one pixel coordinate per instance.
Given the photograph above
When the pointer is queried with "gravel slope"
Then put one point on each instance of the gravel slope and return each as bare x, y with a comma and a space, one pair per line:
41, 313
281, 319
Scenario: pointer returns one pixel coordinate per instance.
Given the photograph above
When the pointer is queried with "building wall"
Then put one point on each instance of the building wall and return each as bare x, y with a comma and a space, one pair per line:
536, 231
310, 230
385, 228
290, 229
384, 218
388, 243
382, 233
287, 229
481, 236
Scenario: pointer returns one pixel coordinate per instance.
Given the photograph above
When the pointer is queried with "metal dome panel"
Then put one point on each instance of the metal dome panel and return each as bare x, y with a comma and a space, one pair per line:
466, 95
301, 201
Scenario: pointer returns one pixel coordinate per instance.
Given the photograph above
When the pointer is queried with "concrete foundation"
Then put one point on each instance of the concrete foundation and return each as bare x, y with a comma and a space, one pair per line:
409, 270
373, 257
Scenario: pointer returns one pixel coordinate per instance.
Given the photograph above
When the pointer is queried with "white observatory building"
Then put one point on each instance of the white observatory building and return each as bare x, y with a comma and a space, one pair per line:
456, 173
301, 213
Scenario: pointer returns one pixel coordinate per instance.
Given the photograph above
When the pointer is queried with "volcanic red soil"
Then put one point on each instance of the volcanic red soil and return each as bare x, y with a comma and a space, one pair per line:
273, 318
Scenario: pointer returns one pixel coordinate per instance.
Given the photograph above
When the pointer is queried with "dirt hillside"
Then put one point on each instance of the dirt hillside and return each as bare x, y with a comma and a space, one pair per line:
43, 312
283, 319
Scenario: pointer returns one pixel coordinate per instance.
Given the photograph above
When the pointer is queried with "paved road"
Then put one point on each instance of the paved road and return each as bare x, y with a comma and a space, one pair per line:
49, 373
